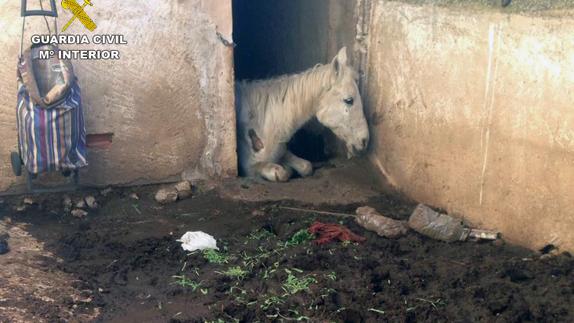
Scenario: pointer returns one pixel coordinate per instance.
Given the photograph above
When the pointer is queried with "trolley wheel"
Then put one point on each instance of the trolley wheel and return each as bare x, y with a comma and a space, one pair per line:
16, 163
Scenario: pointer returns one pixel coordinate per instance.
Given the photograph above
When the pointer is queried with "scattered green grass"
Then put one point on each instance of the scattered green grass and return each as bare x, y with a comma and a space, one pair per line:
434, 304
241, 296
251, 260
229, 320
271, 302
261, 234
376, 310
235, 272
215, 257
270, 270
297, 316
293, 284
300, 237
332, 276
347, 243
136, 208
326, 292
187, 283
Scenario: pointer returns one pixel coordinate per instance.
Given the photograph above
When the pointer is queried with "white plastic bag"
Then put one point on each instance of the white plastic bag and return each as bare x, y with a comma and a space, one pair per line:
197, 240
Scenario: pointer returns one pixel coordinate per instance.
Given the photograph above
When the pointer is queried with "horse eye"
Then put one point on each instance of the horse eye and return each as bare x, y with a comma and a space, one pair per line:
349, 101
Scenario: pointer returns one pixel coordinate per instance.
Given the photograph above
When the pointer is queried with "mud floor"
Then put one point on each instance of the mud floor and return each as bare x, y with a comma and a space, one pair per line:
122, 263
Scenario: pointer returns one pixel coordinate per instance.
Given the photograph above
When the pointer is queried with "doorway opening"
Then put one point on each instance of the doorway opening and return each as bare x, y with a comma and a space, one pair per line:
289, 36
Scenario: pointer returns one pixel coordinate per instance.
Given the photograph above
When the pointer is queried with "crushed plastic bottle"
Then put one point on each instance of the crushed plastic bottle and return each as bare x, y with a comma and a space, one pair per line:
438, 226
370, 219
444, 227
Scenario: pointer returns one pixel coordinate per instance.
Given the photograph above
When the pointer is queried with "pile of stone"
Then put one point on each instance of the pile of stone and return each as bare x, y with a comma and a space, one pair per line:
26, 203
170, 194
80, 207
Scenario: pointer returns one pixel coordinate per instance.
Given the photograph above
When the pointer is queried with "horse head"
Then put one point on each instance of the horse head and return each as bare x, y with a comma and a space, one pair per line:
341, 109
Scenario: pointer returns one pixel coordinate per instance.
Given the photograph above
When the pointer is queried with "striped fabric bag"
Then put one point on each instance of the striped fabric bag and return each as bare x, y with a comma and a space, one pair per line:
51, 131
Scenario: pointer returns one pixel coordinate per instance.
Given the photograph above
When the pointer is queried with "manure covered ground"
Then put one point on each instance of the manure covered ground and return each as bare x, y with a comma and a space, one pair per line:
122, 263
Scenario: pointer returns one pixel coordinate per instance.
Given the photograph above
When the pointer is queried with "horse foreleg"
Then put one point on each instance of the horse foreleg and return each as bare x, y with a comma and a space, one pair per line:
301, 166
273, 172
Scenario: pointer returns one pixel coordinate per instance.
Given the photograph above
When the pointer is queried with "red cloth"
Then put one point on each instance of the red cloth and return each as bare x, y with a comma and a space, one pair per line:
328, 232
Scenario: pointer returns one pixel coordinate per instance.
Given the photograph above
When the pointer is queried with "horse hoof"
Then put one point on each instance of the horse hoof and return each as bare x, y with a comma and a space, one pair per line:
275, 173
306, 169
280, 174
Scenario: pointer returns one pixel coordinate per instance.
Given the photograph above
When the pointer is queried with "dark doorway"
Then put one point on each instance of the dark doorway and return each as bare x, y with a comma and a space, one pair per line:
276, 37
279, 36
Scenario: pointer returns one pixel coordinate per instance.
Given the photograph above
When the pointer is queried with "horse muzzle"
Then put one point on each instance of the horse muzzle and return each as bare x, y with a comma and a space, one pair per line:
357, 149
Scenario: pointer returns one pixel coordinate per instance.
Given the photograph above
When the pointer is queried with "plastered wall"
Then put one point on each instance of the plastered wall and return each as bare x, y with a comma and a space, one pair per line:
472, 111
168, 101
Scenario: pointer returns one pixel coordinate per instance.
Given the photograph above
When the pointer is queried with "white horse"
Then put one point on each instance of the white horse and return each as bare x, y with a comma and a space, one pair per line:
269, 112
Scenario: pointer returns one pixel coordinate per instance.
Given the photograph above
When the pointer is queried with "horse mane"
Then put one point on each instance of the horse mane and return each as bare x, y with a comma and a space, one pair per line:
298, 85
288, 95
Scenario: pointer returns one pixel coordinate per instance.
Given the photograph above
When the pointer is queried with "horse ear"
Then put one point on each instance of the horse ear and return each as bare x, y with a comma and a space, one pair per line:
342, 56
340, 59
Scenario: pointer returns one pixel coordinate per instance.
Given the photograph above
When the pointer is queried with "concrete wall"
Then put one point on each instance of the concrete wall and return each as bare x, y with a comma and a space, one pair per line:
168, 101
472, 111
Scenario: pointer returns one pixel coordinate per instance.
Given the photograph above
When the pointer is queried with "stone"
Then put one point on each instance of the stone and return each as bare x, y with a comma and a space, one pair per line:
79, 213
28, 201
20, 208
81, 204
370, 219
4, 243
549, 251
183, 189
166, 195
106, 191
67, 203
91, 202
134, 196
258, 213
4, 249
85, 300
